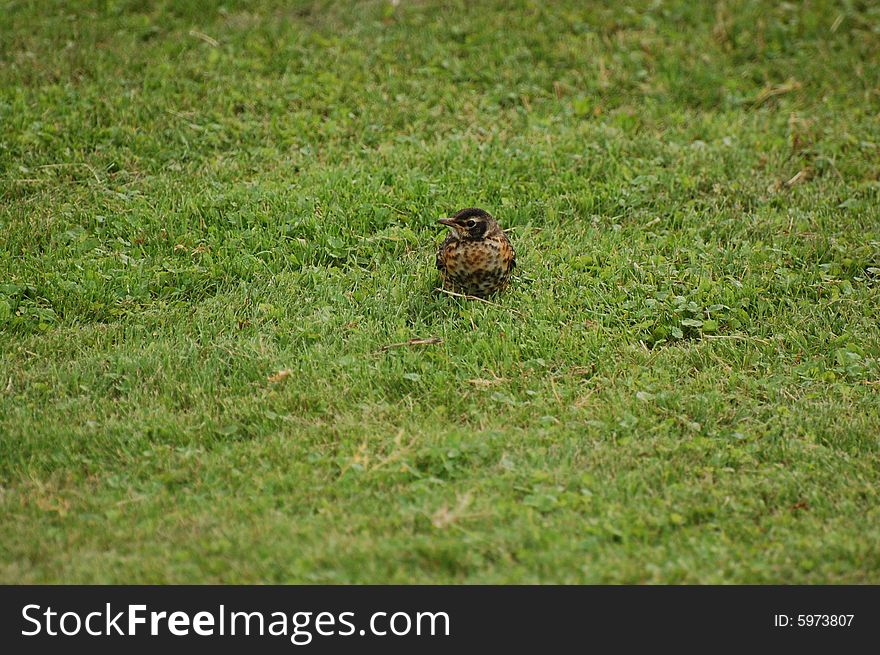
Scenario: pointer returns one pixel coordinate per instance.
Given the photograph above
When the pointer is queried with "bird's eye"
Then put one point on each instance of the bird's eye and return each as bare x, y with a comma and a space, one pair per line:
471, 223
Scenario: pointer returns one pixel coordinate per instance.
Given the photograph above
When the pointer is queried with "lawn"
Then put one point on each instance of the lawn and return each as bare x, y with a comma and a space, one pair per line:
217, 237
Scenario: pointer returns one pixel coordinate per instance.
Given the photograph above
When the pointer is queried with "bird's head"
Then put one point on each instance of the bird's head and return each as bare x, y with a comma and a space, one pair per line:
471, 223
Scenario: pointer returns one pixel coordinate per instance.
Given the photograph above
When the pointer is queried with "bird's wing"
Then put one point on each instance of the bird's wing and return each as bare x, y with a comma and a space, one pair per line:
512, 252
441, 264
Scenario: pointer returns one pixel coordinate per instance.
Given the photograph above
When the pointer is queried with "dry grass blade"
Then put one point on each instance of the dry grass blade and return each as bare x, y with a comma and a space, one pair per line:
773, 91
446, 516
429, 341
204, 37
280, 376
469, 297
735, 337
800, 176
484, 383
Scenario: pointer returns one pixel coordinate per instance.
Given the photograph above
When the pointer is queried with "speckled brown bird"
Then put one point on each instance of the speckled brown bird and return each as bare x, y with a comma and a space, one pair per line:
476, 258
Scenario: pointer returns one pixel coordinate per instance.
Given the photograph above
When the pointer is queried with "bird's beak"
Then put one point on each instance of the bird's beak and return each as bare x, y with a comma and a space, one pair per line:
448, 222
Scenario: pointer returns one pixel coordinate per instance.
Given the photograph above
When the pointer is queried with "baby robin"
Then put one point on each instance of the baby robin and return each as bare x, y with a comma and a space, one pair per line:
476, 258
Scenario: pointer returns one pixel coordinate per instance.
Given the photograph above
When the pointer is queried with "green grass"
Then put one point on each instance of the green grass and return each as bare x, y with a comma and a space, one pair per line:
681, 385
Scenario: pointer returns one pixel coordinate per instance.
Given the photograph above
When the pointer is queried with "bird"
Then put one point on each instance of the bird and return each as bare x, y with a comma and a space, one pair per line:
476, 257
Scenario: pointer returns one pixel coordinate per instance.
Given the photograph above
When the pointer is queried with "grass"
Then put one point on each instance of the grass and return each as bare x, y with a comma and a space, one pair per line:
215, 218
